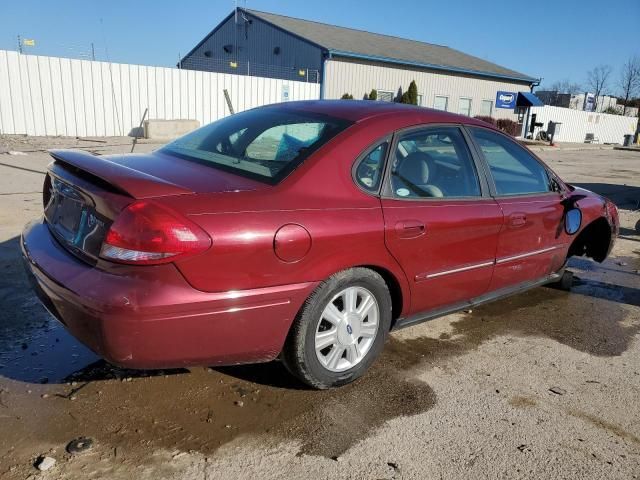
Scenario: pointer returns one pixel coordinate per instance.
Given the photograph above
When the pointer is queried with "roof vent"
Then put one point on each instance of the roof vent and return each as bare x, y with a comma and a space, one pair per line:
207, 53
228, 48
276, 50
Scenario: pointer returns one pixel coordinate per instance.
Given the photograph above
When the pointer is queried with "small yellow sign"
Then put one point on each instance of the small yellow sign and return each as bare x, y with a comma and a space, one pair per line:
302, 73
29, 42
233, 64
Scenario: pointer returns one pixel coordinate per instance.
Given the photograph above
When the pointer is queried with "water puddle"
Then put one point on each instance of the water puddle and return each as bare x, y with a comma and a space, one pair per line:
206, 408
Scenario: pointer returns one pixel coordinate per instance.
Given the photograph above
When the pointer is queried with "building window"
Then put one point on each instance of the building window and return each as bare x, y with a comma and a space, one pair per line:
486, 108
385, 96
441, 103
464, 106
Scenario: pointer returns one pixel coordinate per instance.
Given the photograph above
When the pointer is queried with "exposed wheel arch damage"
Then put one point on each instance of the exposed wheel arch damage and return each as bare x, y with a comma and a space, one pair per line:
593, 241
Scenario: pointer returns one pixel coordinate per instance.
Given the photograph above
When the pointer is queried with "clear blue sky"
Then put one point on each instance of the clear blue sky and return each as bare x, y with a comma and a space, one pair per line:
556, 40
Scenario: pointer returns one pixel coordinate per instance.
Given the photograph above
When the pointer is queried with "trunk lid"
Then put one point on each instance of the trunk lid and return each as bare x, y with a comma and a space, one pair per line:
84, 193
154, 174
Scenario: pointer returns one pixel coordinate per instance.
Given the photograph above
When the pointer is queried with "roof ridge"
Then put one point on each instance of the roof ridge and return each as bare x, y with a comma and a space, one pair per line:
248, 10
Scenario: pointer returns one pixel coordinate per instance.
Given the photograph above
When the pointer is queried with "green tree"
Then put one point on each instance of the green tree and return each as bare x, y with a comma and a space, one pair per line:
373, 95
366, 96
412, 93
346, 96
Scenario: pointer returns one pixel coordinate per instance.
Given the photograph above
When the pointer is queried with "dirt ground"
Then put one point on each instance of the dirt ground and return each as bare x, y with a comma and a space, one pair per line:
544, 384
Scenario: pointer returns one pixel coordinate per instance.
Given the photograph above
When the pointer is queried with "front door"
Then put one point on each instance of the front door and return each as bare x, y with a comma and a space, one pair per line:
440, 222
530, 245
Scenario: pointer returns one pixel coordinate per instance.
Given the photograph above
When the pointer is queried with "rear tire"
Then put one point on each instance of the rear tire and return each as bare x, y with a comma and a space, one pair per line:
340, 330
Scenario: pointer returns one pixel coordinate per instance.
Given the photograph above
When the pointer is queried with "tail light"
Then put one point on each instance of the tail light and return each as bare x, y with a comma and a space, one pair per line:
147, 233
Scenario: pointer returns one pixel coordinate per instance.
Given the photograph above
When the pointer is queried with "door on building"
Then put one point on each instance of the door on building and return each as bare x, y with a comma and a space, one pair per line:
529, 244
441, 223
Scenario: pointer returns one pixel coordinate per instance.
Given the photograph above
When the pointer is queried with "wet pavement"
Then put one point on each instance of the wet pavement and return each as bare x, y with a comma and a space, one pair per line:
53, 389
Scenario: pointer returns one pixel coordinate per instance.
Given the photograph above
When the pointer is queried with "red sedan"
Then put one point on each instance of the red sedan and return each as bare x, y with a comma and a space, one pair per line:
305, 231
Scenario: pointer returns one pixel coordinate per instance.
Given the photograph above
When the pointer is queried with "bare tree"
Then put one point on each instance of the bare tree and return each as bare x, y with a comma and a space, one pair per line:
598, 81
630, 80
566, 86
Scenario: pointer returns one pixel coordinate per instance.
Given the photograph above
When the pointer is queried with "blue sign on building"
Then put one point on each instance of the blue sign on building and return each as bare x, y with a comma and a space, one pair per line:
506, 100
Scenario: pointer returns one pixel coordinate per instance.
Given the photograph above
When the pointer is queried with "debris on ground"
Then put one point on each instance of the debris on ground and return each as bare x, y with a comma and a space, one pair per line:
557, 390
45, 463
16, 152
79, 445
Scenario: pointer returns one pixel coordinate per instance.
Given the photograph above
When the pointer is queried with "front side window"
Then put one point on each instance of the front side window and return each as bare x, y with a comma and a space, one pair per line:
440, 103
265, 144
514, 170
434, 162
464, 106
370, 168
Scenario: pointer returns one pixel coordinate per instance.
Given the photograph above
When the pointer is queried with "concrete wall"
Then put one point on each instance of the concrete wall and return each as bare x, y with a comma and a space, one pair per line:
576, 124
359, 77
61, 96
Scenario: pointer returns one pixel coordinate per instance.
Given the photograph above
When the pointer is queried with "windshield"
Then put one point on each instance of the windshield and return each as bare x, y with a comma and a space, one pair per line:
265, 143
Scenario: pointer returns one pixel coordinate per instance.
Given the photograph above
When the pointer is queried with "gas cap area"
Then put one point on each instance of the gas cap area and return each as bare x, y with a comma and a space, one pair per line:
291, 243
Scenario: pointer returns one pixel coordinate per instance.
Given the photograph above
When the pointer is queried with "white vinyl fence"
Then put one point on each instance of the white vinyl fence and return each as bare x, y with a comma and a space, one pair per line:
577, 123
62, 96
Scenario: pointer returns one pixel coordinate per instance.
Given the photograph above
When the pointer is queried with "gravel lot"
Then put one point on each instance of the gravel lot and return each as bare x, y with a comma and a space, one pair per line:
540, 385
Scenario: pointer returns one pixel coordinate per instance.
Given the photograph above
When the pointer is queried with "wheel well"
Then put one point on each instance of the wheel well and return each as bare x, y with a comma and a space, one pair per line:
394, 290
593, 241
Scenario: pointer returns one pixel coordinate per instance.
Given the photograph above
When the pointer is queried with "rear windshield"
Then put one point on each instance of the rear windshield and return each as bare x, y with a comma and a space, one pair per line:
265, 144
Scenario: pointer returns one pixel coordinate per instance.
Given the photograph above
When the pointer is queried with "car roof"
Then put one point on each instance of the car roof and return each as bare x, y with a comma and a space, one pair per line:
358, 110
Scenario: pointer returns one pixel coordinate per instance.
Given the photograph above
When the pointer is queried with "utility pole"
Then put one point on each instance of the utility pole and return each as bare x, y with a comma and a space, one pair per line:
19, 44
636, 138
93, 52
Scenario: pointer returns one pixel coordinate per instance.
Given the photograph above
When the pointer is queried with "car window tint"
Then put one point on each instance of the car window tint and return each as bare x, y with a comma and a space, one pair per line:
369, 169
434, 162
514, 170
282, 143
264, 143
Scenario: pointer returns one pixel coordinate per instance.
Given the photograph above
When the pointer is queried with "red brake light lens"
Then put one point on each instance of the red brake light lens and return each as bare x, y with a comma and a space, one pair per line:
148, 233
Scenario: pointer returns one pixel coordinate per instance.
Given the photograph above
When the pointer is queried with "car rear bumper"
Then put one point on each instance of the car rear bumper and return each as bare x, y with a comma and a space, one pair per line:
150, 317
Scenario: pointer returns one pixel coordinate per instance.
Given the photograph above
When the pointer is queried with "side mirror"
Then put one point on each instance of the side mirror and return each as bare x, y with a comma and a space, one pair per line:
572, 221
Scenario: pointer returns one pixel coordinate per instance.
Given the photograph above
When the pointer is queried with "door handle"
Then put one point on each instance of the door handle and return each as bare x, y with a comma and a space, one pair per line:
517, 220
410, 228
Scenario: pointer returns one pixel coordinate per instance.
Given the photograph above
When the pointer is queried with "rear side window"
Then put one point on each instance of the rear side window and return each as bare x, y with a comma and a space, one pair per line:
265, 143
434, 162
369, 169
514, 170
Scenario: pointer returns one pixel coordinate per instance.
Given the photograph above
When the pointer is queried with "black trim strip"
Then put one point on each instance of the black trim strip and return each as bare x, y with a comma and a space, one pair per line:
488, 297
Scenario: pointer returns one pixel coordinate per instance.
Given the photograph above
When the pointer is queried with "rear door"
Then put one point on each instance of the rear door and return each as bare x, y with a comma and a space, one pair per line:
440, 222
530, 244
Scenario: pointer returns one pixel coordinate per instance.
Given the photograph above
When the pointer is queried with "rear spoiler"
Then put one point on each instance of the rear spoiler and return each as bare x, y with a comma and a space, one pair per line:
133, 182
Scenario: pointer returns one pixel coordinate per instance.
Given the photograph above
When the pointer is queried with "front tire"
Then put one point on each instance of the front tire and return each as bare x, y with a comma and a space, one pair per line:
340, 330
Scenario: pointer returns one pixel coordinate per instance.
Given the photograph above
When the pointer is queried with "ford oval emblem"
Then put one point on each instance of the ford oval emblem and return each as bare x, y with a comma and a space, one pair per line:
508, 98
349, 329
